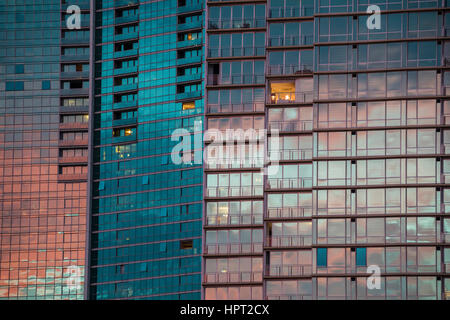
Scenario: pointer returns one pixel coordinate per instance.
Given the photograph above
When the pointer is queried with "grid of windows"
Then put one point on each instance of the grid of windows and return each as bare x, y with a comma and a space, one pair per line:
362, 172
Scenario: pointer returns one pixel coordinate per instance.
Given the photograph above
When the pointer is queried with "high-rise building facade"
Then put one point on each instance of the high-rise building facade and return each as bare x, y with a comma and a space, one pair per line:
359, 102
104, 193
44, 102
146, 209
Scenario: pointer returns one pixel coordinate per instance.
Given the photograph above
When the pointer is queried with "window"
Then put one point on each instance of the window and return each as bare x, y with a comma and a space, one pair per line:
19, 68
188, 105
14, 86
361, 257
321, 257
186, 244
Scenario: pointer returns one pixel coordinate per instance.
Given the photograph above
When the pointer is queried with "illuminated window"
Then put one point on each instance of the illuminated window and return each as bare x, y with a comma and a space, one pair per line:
188, 105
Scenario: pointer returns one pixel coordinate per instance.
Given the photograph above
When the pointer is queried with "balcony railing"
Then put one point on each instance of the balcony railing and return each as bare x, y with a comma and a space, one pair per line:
291, 126
215, 79
287, 41
290, 97
289, 270
289, 212
233, 248
236, 24
295, 183
289, 241
246, 161
289, 297
236, 52
234, 191
289, 69
290, 12
236, 108
290, 155
227, 277
234, 219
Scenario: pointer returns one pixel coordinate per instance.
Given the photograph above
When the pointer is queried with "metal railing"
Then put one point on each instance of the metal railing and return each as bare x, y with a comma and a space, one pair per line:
290, 154
234, 191
289, 212
289, 270
236, 52
227, 277
233, 248
291, 41
236, 23
289, 69
236, 108
215, 79
290, 12
289, 126
233, 219
289, 241
280, 183
247, 161
290, 97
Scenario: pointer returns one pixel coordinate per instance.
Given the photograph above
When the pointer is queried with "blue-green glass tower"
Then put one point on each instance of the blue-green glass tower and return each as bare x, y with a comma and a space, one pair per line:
145, 210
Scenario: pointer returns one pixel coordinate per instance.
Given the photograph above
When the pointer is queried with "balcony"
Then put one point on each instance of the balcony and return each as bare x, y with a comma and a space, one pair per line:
230, 277
289, 270
236, 24
83, 4
127, 19
294, 183
225, 192
74, 58
291, 126
291, 12
125, 70
290, 155
291, 41
289, 297
125, 87
74, 92
74, 126
289, 212
236, 52
125, 53
233, 219
73, 143
67, 41
125, 104
189, 77
189, 25
72, 177
215, 79
236, 162
189, 60
126, 36
124, 122
233, 248
290, 97
123, 3
189, 43
190, 8
275, 70
236, 108
72, 160
73, 109
289, 241
188, 95
122, 139
75, 75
